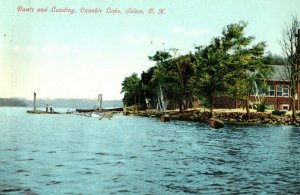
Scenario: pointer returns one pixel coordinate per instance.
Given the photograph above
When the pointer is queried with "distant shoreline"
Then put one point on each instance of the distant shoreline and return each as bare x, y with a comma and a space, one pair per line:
12, 102
58, 103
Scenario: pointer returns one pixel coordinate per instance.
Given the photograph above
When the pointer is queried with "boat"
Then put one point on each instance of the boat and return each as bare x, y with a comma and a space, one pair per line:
216, 123
97, 114
165, 118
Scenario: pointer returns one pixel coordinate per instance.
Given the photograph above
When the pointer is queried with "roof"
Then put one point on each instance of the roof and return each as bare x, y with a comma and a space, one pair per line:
278, 73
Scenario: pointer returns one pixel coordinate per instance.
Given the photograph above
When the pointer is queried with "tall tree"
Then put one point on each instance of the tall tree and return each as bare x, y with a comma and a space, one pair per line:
210, 70
150, 88
247, 69
229, 63
173, 75
183, 72
291, 71
132, 89
161, 58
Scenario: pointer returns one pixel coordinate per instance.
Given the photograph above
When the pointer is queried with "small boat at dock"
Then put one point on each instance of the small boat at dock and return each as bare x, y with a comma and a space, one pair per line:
97, 114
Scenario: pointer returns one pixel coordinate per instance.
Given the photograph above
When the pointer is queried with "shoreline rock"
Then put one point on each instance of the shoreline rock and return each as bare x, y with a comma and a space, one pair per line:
216, 123
256, 118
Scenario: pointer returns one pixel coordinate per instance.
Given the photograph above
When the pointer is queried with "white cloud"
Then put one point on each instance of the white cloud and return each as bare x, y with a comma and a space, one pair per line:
192, 32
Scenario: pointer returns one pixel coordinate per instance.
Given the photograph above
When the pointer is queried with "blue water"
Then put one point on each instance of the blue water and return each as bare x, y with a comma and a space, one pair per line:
70, 154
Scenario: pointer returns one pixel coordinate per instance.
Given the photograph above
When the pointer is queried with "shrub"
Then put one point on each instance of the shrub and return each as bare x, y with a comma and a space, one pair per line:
279, 112
261, 107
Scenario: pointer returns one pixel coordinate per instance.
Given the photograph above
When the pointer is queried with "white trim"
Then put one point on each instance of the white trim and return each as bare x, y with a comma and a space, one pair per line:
285, 105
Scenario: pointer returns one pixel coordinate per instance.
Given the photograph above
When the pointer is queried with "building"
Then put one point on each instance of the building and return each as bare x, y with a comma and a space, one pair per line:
278, 95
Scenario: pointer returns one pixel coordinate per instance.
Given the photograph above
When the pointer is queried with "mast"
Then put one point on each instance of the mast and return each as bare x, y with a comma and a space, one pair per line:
162, 99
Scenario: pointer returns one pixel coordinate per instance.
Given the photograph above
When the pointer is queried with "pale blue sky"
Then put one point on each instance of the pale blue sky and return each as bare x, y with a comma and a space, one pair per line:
82, 55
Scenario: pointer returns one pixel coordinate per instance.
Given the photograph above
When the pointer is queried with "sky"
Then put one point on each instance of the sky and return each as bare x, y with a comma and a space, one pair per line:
80, 55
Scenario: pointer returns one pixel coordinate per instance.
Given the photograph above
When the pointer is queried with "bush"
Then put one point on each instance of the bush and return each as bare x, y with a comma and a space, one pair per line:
279, 112
261, 107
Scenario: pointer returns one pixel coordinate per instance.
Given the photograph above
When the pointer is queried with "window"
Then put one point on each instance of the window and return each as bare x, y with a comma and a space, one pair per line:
271, 91
285, 107
285, 91
279, 90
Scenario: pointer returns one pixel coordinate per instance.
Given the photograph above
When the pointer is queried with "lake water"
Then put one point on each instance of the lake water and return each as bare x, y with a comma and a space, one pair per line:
70, 154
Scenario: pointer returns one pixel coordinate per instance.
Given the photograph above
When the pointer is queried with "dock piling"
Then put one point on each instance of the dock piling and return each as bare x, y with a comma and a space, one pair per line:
34, 102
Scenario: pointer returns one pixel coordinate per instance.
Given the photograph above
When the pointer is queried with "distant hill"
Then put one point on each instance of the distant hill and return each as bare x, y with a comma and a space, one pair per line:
12, 102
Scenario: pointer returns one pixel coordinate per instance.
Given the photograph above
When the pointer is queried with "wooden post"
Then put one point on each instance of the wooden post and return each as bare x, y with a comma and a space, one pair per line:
100, 102
34, 102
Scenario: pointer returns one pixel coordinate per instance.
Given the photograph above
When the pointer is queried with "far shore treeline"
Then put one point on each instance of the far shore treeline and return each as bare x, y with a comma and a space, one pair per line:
12, 102
59, 103
230, 65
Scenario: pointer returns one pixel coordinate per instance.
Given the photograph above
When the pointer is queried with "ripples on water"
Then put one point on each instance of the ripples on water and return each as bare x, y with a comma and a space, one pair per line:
68, 154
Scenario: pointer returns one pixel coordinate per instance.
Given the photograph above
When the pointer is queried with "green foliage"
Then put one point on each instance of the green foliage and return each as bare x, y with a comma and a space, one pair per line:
261, 107
13, 102
150, 88
230, 65
160, 56
132, 89
174, 77
278, 112
273, 59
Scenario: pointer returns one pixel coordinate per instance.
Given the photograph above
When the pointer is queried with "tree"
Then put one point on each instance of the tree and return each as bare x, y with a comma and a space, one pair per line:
149, 87
184, 71
248, 71
291, 70
210, 70
273, 59
248, 81
173, 75
160, 57
228, 65
132, 88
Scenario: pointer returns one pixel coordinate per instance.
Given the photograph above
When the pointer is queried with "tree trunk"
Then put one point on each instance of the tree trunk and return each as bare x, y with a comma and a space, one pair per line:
294, 104
180, 106
247, 106
212, 104
135, 102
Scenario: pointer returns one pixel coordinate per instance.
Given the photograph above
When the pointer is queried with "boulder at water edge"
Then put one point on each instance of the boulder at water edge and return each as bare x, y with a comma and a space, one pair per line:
216, 123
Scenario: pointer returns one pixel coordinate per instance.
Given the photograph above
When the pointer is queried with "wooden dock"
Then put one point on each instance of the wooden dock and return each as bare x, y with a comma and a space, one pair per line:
41, 112
79, 110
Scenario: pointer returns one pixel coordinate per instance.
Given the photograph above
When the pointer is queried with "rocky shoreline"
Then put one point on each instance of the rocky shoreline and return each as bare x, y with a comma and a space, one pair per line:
256, 118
